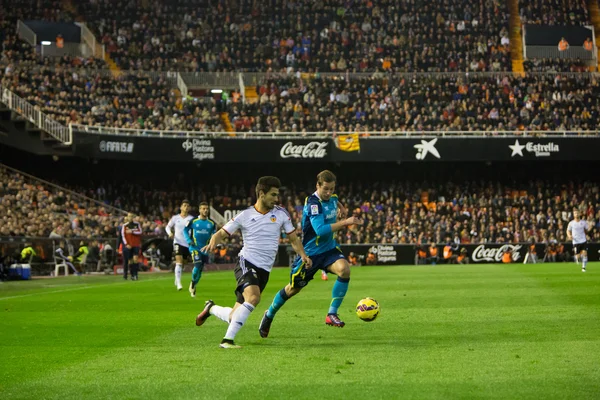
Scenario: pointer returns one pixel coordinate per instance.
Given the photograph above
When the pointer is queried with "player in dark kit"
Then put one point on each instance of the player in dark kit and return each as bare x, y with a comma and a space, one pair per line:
131, 232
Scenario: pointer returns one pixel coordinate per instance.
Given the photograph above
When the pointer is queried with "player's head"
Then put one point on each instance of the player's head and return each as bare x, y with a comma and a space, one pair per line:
129, 217
203, 210
325, 184
267, 191
576, 214
185, 207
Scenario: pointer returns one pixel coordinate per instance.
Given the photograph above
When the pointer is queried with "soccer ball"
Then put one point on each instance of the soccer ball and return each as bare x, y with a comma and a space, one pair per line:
367, 309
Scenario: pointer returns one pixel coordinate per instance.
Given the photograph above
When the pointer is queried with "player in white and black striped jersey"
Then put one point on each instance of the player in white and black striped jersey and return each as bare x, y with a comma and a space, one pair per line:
261, 227
576, 232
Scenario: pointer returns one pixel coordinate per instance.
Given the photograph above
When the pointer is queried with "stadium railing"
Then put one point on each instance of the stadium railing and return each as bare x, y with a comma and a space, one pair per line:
552, 52
26, 34
101, 130
32, 114
47, 185
89, 39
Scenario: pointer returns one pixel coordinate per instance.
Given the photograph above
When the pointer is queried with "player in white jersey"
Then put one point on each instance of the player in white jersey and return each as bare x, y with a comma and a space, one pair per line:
175, 229
576, 232
261, 227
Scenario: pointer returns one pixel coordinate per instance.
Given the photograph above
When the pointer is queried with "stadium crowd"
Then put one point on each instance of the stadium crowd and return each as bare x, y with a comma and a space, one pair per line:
34, 209
389, 37
444, 103
338, 35
554, 12
393, 212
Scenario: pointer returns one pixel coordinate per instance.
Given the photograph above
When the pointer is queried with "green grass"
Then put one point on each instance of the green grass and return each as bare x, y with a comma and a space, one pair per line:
488, 331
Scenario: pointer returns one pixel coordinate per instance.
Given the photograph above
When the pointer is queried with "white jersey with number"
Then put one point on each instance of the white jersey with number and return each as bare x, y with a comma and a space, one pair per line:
178, 223
577, 229
261, 233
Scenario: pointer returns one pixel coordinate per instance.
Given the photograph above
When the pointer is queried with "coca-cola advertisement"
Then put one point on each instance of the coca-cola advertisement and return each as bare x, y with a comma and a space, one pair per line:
316, 150
492, 253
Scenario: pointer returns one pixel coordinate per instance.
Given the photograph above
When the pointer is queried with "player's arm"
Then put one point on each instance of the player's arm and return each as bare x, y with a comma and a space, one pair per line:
188, 235
299, 249
342, 211
137, 231
215, 240
229, 229
170, 225
569, 236
123, 228
321, 228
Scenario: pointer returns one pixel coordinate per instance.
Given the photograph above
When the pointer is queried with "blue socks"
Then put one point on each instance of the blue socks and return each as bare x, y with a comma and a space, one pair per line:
196, 274
340, 287
280, 298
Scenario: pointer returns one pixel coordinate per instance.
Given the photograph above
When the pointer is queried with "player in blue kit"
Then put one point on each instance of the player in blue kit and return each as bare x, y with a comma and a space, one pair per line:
319, 222
197, 234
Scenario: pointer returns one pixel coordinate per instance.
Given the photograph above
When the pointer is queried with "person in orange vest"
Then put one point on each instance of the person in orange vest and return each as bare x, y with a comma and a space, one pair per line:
433, 254
507, 257
421, 255
462, 257
588, 44
448, 254
563, 45
60, 42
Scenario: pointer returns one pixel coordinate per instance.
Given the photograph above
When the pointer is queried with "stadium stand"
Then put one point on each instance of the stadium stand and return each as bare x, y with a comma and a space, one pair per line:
435, 103
554, 12
333, 36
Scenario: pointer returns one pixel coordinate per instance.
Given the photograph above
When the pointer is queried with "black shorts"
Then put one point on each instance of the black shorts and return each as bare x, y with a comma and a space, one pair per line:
579, 247
129, 253
248, 274
180, 250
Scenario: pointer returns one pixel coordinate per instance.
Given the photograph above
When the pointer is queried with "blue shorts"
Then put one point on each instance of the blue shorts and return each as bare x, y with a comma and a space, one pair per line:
199, 258
300, 276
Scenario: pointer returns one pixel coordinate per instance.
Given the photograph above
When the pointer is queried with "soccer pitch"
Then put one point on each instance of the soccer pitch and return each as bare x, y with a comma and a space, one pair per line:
486, 331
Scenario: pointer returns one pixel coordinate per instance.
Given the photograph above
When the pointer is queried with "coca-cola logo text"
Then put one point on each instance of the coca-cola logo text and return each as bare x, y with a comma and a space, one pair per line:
482, 253
309, 150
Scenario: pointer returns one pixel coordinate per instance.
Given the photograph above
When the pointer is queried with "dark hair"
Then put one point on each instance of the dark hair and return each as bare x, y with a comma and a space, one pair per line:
265, 183
325, 176
203, 204
185, 201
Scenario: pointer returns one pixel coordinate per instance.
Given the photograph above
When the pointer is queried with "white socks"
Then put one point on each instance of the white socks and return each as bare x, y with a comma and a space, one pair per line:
584, 262
222, 313
178, 271
238, 319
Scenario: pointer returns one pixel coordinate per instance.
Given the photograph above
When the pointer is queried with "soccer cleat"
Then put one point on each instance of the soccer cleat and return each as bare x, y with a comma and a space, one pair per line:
324, 276
228, 344
192, 289
334, 320
179, 287
265, 326
205, 313
582, 269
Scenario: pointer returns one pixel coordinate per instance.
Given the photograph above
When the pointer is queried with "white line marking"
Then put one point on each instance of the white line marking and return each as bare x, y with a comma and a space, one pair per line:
76, 288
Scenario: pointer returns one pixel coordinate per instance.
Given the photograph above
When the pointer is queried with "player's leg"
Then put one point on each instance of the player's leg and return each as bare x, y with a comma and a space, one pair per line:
342, 269
240, 315
135, 266
299, 278
179, 256
199, 261
584, 259
126, 253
